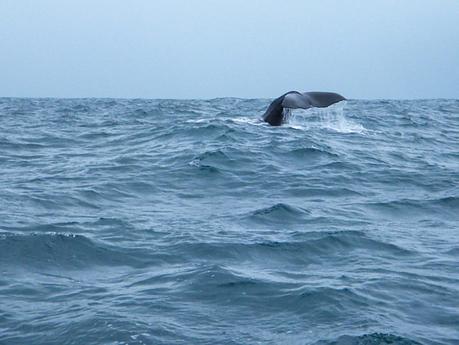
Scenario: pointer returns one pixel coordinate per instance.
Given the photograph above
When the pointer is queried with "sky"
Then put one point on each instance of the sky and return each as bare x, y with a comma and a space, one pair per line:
378, 49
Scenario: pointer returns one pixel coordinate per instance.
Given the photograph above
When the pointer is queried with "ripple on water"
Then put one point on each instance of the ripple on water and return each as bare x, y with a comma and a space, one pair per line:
129, 221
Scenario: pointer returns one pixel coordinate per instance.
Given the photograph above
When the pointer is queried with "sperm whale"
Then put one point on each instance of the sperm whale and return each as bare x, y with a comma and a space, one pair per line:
275, 114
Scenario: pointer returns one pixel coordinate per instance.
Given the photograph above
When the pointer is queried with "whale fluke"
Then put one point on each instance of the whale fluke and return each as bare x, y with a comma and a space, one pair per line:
274, 115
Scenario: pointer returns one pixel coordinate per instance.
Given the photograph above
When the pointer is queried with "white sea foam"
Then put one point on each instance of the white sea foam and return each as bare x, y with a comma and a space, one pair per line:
198, 121
250, 120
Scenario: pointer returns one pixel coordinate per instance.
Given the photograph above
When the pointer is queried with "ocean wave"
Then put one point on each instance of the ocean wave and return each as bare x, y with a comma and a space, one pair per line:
369, 339
309, 247
308, 152
279, 213
420, 208
56, 251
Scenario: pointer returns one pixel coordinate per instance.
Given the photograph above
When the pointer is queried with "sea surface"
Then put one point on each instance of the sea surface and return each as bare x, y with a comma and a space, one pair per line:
133, 221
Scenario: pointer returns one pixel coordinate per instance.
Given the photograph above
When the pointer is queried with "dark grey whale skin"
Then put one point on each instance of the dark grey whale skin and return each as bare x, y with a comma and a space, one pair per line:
274, 115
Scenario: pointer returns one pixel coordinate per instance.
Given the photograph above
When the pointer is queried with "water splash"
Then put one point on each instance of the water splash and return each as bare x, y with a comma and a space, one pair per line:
332, 118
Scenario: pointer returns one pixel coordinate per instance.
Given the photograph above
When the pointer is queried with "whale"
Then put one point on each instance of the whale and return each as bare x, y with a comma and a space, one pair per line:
276, 113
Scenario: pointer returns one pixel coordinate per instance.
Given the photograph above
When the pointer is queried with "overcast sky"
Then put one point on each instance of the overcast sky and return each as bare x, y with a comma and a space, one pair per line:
217, 48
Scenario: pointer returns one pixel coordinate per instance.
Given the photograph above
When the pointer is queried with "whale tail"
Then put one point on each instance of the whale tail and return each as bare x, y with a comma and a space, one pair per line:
274, 115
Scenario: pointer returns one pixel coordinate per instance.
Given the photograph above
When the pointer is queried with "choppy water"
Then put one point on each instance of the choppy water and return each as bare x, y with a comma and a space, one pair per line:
190, 222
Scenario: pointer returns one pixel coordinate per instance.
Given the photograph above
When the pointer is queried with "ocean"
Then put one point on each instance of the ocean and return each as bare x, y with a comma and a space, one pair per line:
135, 221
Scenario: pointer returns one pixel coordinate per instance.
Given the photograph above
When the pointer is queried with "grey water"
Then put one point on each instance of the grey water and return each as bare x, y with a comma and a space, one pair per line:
192, 222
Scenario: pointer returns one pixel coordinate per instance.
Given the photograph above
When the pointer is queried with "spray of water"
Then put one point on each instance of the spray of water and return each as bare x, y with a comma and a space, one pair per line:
332, 118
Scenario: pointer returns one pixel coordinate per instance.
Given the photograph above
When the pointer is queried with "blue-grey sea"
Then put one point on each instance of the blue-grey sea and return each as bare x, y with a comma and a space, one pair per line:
134, 221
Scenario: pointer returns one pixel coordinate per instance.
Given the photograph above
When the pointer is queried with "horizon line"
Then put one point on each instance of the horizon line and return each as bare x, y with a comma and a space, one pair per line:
211, 98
